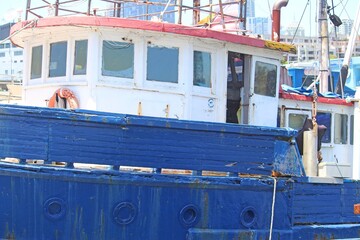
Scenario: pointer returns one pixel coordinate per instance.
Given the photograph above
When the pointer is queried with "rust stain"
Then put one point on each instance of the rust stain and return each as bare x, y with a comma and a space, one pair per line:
9, 235
357, 208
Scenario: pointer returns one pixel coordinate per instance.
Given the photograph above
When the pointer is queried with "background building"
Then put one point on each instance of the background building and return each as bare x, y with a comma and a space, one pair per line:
250, 8
11, 66
142, 11
345, 28
259, 25
308, 48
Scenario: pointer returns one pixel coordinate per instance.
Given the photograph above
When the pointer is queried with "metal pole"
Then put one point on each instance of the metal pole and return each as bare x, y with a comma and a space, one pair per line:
89, 7
324, 53
118, 9
222, 14
180, 12
57, 8
348, 53
244, 3
28, 4
196, 12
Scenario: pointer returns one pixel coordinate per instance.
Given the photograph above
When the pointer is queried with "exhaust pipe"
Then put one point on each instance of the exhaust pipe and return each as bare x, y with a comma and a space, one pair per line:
275, 33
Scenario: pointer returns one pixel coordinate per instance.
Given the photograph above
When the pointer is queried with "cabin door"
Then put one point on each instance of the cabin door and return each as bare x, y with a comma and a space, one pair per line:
263, 92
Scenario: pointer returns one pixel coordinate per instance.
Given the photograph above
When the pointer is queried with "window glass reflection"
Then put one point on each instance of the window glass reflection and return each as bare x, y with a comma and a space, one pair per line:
80, 57
118, 59
58, 53
202, 69
162, 64
265, 79
36, 62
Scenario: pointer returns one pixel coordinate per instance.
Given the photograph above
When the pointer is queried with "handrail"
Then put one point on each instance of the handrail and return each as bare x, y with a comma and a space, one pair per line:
118, 8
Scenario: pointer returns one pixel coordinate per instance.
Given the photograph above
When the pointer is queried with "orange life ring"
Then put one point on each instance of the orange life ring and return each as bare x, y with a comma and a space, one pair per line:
66, 94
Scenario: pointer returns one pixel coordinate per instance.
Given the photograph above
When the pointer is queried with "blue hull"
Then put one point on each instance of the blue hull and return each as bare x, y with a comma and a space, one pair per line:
52, 202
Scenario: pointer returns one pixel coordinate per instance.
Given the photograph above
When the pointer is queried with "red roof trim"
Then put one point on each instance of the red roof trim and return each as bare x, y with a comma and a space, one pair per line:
142, 25
298, 97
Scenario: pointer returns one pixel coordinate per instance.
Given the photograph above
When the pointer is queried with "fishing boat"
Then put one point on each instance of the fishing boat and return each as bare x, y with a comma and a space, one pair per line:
137, 128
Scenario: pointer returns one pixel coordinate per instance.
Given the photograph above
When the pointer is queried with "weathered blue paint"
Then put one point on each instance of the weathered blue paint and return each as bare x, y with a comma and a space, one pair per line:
49, 202
116, 139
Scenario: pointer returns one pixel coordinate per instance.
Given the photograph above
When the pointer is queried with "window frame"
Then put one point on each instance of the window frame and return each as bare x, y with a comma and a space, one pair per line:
338, 140
159, 82
42, 62
113, 80
73, 52
288, 112
210, 82
68, 46
328, 130
274, 92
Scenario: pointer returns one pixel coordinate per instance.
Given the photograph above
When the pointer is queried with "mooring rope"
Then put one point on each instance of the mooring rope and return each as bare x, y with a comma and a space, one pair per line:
272, 209
20, 30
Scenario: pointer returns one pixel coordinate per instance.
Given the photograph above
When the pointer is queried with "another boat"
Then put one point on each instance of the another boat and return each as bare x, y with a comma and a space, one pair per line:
150, 145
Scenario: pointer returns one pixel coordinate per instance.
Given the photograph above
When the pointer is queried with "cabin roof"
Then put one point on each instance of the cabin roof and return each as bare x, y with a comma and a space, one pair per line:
112, 22
300, 97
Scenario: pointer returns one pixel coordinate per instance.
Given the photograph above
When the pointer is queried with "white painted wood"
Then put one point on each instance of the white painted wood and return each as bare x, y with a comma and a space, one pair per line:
356, 150
263, 109
104, 93
92, 72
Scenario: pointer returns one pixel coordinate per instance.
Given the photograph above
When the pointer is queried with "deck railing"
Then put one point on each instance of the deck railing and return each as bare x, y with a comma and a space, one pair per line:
219, 12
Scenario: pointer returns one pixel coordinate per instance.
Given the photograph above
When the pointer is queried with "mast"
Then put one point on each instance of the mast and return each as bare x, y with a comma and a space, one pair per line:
310, 156
324, 53
349, 50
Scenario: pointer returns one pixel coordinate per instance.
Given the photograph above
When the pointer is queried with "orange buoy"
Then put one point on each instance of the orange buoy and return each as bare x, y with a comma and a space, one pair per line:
68, 97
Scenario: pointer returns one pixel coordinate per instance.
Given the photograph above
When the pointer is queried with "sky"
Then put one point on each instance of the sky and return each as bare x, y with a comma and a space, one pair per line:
345, 9
10, 9
291, 14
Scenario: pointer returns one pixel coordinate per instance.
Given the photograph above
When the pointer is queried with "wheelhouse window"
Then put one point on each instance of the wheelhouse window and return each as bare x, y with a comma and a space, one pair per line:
80, 57
36, 62
325, 119
58, 53
118, 59
296, 121
340, 128
265, 79
202, 69
162, 64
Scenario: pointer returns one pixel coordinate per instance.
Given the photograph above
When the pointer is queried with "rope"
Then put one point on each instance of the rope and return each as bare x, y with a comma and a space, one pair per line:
297, 28
272, 209
18, 31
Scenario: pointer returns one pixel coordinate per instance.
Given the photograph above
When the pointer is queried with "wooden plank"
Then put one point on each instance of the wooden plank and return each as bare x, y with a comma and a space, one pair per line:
116, 139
